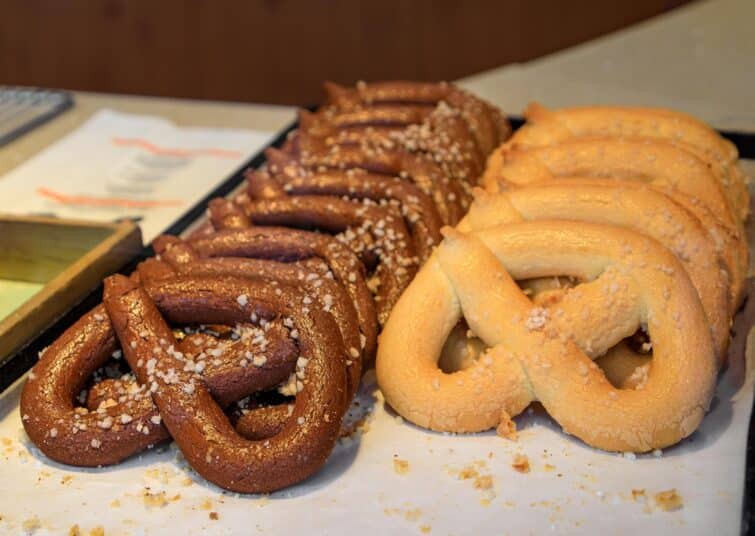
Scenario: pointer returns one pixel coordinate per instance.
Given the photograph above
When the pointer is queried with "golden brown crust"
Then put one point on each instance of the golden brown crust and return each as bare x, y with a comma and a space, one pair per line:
468, 275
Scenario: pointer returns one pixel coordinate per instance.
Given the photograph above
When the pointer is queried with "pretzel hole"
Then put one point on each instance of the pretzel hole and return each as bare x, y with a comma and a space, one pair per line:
627, 365
461, 349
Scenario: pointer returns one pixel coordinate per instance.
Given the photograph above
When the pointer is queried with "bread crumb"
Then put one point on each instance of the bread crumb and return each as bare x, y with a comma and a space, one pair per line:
467, 473
483, 482
206, 505
66, 479
400, 467
484, 501
97, 531
425, 529
413, 515
521, 463
214, 516
32, 524
549, 467
638, 495
669, 500
74, 531
115, 503
506, 427
155, 500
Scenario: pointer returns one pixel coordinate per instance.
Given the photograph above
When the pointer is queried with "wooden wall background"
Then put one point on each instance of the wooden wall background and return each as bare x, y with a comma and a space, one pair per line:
279, 51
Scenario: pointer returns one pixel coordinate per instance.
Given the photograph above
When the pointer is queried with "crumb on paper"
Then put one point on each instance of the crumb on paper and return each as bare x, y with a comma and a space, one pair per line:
264, 500
400, 467
155, 500
97, 531
468, 472
160, 474
549, 467
521, 463
425, 529
413, 515
669, 500
31, 524
638, 495
206, 505
507, 427
214, 516
74, 531
187, 481
66, 479
115, 503
483, 482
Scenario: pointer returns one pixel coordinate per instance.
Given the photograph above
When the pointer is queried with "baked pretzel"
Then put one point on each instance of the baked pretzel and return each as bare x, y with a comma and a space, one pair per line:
547, 127
132, 314
448, 195
418, 211
436, 135
653, 161
312, 275
443, 134
637, 207
675, 171
486, 122
286, 245
537, 354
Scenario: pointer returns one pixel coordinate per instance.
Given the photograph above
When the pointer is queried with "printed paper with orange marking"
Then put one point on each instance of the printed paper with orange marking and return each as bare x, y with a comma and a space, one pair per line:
127, 166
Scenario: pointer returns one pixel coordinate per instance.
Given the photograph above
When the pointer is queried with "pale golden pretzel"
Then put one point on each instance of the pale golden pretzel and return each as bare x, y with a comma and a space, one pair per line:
638, 208
638, 159
677, 173
538, 354
547, 127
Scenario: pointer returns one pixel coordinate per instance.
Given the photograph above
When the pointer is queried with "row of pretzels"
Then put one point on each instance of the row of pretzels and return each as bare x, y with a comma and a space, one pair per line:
624, 230
246, 341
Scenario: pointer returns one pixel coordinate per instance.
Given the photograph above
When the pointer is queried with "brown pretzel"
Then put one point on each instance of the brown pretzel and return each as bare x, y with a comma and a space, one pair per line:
420, 170
311, 275
287, 245
485, 121
417, 209
443, 135
183, 397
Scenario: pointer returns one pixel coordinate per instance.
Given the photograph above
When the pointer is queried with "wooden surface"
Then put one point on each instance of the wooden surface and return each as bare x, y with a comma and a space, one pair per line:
110, 247
279, 51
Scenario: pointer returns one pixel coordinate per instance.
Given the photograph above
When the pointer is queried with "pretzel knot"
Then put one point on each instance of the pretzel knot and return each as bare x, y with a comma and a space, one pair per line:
544, 353
179, 398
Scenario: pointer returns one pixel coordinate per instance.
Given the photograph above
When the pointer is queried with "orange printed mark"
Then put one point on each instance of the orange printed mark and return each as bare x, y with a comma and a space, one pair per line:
154, 149
104, 201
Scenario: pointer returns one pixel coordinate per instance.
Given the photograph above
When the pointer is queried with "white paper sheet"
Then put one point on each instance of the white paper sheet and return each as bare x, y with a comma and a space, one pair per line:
569, 489
127, 166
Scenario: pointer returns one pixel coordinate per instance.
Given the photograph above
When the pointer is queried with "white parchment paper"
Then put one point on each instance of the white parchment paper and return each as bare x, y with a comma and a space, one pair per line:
366, 488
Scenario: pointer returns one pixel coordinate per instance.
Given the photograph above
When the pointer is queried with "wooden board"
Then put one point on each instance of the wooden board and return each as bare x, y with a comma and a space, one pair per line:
68, 257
